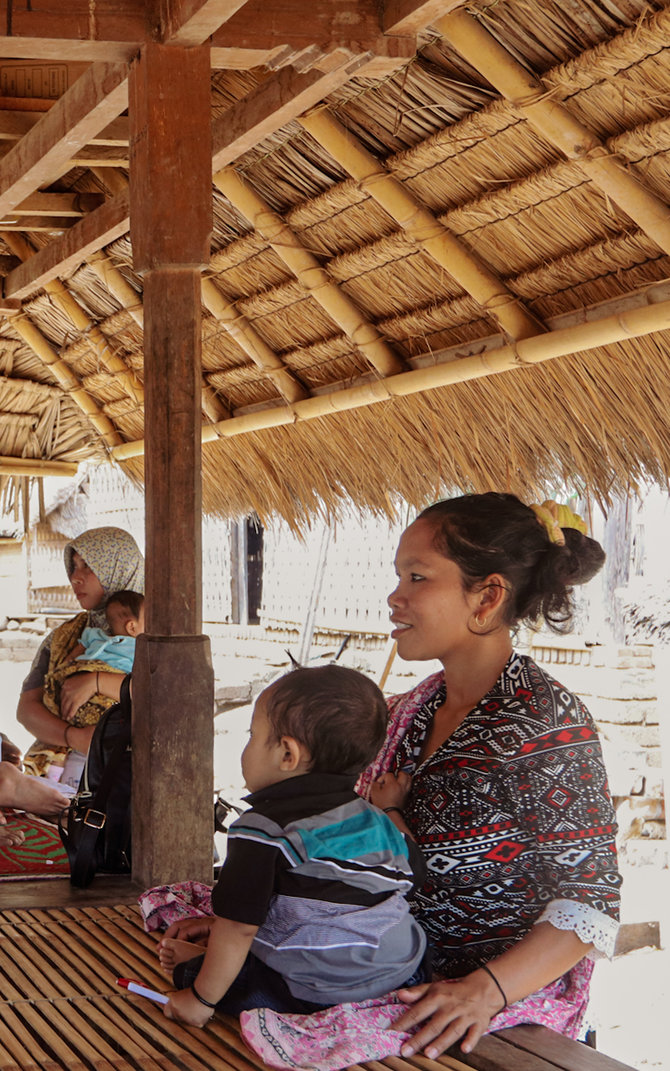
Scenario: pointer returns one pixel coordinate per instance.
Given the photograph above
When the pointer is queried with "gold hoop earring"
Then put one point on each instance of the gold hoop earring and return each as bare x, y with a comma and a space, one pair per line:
478, 623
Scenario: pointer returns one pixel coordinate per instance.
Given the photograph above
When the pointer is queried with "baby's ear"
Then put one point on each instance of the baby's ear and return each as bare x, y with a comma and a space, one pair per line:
132, 627
294, 755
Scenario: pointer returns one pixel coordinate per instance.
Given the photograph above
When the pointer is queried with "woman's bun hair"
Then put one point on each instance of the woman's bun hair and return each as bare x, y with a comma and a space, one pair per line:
497, 533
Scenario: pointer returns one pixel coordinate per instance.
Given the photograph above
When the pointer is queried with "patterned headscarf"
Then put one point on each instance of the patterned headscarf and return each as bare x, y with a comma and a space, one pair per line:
114, 557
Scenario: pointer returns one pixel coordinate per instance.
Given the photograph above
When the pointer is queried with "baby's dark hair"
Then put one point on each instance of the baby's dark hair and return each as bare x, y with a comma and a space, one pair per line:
497, 533
131, 601
338, 714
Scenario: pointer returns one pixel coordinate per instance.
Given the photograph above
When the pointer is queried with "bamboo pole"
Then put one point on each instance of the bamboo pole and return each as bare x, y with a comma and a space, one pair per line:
246, 336
68, 304
424, 227
32, 466
65, 377
308, 271
559, 343
552, 119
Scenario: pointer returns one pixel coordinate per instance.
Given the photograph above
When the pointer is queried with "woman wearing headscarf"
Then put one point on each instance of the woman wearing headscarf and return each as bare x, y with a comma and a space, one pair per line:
62, 713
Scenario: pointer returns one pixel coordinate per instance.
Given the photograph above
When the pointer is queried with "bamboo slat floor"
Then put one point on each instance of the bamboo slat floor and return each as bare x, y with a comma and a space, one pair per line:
61, 1009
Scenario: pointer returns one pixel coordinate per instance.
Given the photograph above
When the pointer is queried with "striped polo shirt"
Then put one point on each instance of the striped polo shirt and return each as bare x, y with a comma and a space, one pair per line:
325, 875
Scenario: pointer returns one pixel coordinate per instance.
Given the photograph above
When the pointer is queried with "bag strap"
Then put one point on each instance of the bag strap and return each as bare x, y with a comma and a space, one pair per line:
82, 862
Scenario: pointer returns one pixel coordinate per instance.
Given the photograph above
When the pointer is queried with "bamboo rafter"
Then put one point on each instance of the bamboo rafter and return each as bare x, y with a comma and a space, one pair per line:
27, 466
41, 347
553, 120
66, 301
253, 344
117, 285
308, 271
625, 324
419, 222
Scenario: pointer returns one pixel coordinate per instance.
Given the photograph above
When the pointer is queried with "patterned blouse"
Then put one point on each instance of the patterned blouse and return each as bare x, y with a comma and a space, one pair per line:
513, 815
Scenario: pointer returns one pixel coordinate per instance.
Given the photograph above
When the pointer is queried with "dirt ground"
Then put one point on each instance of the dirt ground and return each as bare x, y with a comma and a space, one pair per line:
630, 1009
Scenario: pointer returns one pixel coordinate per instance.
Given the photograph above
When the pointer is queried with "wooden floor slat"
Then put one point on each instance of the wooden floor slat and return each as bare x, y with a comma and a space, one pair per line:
61, 1009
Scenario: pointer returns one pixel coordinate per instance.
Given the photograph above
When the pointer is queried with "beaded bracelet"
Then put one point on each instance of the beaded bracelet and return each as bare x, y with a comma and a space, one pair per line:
207, 1003
483, 967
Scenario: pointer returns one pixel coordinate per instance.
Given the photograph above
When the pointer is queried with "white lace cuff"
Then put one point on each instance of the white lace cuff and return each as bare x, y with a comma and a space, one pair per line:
591, 926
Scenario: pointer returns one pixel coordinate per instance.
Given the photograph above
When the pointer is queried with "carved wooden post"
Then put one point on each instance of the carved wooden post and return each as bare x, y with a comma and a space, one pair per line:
173, 688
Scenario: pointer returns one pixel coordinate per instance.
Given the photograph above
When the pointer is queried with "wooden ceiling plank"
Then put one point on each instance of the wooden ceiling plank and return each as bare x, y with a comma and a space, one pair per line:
554, 121
283, 97
84, 109
633, 323
192, 22
66, 253
450, 252
14, 124
308, 271
412, 16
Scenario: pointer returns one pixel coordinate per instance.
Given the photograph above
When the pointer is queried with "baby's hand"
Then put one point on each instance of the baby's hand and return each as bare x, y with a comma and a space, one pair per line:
185, 1008
191, 929
391, 790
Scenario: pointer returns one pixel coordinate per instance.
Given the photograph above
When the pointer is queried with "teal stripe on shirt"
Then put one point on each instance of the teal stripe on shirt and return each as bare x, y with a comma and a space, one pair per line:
357, 837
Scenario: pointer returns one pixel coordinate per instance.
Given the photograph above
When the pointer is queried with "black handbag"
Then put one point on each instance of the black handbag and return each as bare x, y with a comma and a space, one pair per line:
95, 828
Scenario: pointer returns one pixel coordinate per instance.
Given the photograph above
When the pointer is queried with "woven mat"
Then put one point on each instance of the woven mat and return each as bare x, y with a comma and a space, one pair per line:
41, 855
60, 1007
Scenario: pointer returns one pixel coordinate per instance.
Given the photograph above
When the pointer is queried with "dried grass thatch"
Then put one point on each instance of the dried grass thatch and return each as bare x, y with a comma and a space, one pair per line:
553, 237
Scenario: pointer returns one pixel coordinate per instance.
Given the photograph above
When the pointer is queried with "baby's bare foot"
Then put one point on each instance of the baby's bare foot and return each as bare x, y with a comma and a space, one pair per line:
172, 951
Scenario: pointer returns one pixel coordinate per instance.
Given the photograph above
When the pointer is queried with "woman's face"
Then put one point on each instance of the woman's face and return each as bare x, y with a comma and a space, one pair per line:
88, 590
430, 609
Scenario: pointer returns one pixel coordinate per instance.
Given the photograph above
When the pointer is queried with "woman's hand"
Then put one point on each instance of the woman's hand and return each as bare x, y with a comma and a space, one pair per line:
391, 790
186, 1008
76, 691
448, 1010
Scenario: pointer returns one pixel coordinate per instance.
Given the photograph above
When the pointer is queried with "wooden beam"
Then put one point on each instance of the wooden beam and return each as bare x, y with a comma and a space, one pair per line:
292, 31
26, 466
450, 252
308, 271
95, 98
171, 223
176, 229
72, 205
108, 30
272, 105
66, 253
411, 16
631, 316
554, 122
191, 22
15, 124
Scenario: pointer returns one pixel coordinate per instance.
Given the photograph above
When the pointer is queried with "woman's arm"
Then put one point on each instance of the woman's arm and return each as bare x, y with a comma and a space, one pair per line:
34, 716
81, 687
227, 948
464, 1007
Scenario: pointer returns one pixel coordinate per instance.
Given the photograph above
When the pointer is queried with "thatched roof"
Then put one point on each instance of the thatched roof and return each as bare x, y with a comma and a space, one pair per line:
454, 272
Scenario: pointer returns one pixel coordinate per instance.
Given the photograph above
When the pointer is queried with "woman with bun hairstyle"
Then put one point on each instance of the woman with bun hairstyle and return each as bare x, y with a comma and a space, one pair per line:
496, 770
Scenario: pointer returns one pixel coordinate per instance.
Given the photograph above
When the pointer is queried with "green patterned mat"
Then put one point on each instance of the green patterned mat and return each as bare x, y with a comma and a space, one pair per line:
41, 855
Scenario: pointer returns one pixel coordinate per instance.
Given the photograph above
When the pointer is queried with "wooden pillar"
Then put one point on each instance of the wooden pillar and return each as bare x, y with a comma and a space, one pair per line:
173, 684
